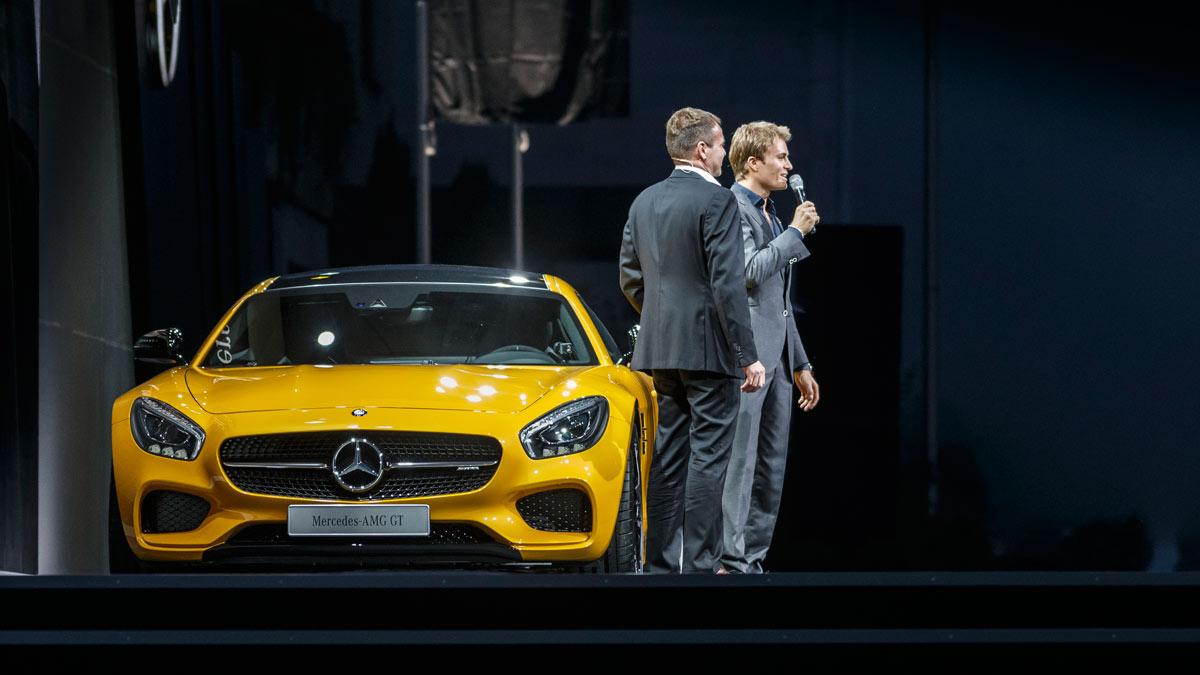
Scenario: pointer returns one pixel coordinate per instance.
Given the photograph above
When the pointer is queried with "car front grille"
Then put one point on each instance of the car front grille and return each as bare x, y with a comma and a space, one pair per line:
422, 464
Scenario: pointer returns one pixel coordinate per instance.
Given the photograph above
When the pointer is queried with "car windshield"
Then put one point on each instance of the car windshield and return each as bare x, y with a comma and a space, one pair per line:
402, 323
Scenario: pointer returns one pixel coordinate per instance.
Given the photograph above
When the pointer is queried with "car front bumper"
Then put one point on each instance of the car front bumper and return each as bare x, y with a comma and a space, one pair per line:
241, 522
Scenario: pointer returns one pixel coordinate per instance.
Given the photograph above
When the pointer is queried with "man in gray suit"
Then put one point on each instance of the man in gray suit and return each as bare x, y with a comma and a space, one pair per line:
754, 483
681, 268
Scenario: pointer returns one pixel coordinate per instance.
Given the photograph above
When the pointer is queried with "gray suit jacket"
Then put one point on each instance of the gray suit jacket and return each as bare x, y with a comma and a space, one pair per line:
769, 261
681, 268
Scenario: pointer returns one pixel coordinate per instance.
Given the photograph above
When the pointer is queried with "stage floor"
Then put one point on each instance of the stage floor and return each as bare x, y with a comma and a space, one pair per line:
512, 609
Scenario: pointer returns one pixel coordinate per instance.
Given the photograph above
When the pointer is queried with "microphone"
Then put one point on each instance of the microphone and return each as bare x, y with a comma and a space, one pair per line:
797, 184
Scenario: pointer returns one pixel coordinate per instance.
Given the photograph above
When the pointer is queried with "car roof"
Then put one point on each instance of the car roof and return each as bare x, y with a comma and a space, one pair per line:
458, 274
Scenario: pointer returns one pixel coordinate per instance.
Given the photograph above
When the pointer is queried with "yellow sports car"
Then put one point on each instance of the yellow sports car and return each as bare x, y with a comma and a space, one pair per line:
380, 416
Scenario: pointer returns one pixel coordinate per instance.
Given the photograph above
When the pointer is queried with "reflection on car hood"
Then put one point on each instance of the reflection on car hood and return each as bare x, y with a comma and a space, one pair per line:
487, 388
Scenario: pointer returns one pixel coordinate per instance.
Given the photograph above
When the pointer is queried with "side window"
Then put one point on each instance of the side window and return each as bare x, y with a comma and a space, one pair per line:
570, 329
609, 343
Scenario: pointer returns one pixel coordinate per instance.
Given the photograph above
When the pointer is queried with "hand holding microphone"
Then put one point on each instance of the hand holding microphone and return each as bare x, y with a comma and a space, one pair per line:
806, 212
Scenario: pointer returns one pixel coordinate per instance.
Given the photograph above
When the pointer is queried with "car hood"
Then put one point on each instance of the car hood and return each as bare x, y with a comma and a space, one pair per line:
486, 388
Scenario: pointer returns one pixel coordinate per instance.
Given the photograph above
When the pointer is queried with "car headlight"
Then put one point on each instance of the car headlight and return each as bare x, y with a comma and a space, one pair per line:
569, 428
162, 430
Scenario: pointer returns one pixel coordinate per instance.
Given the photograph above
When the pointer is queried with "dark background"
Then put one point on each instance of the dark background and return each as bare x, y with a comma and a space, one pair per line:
1001, 301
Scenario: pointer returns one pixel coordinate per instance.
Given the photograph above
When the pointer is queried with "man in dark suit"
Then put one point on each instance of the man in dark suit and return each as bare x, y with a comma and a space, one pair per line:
682, 269
754, 483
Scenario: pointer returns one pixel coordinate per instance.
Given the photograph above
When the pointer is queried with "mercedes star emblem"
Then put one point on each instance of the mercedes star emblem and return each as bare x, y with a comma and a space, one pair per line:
357, 465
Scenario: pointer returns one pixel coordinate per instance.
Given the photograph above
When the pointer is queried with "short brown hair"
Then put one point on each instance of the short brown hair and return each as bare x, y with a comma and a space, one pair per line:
753, 140
686, 128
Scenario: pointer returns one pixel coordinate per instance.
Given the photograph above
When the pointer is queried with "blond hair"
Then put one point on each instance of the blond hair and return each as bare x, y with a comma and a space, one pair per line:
754, 140
686, 128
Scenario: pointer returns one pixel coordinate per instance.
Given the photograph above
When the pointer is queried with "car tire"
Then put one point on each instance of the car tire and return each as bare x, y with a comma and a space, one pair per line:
624, 554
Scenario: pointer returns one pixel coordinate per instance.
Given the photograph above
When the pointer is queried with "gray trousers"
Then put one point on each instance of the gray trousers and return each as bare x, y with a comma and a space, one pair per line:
754, 482
696, 412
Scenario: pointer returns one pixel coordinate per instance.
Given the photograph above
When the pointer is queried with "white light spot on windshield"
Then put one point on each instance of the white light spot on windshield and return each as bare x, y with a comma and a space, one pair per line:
517, 279
325, 338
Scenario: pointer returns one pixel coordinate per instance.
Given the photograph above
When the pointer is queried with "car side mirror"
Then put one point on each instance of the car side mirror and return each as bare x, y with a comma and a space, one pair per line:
627, 357
160, 346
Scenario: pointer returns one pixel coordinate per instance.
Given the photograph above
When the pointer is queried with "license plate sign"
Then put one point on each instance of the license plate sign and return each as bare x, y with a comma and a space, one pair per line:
377, 520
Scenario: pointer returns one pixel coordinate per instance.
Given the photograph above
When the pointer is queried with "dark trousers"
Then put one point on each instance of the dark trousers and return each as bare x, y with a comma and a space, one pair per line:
696, 415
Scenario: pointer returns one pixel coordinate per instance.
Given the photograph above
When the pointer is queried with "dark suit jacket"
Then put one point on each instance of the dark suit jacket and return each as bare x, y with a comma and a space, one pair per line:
682, 269
769, 261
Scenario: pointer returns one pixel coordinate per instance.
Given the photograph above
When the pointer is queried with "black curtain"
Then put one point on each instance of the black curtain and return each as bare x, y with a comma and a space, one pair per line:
18, 287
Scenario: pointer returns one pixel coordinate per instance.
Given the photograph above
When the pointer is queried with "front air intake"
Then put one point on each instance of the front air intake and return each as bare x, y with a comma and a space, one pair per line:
563, 510
169, 511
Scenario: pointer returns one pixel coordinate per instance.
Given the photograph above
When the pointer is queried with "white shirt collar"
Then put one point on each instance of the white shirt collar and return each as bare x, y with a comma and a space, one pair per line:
703, 174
